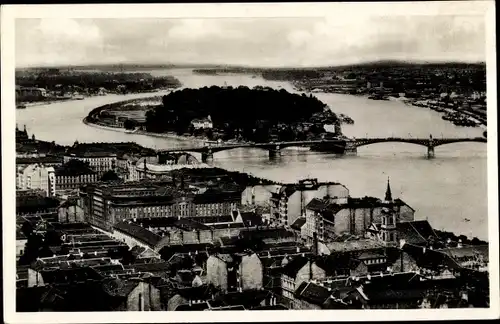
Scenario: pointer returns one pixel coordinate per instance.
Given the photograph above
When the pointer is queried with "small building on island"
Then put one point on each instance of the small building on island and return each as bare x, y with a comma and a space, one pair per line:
203, 123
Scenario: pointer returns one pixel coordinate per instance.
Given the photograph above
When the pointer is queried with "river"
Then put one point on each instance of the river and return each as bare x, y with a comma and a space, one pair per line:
445, 190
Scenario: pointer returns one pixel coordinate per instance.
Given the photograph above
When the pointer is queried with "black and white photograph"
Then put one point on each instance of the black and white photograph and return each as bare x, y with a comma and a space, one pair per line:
328, 157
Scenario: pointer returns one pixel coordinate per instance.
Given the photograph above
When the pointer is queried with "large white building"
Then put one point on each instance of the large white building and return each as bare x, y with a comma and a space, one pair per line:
99, 160
157, 167
37, 176
354, 216
204, 123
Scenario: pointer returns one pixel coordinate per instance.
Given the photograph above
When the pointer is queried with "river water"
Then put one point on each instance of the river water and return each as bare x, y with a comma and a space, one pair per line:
445, 190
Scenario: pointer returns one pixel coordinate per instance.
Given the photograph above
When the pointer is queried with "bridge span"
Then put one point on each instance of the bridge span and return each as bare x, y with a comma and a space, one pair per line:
337, 145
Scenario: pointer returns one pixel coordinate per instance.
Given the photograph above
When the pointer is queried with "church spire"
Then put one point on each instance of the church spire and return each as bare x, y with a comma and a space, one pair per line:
388, 193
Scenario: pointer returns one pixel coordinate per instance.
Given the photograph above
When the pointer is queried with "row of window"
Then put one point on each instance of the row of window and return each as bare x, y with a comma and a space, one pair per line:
375, 261
85, 178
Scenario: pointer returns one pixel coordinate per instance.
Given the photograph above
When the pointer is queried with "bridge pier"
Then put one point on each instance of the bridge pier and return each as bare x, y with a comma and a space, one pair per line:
430, 152
207, 157
430, 148
274, 152
351, 148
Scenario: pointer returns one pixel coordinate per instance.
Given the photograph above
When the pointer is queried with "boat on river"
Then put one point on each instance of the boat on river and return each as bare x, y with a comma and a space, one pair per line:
21, 106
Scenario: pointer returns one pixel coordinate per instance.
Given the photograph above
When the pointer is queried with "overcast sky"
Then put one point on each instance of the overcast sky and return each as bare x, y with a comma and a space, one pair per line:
338, 39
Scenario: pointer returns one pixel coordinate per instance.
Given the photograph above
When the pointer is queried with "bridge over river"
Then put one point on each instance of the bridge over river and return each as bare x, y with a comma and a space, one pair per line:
337, 145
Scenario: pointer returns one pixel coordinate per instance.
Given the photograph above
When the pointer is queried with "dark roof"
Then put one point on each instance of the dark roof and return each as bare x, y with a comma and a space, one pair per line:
155, 267
41, 159
74, 168
389, 295
31, 204
247, 298
424, 228
430, 259
312, 293
77, 274
299, 222
336, 262
408, 233
214, 219
138, 232
20, 235
105, 268
119, 288
294, 265
267, 233
416, 232
28, 299
189, 225
467, 251
229, 240
228, 225
251, 219
399, 202
203, 292
168, 251
316, 205
137, 250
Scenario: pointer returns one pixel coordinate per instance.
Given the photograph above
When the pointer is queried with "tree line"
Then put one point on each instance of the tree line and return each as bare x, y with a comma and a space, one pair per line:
234, 111
132, 82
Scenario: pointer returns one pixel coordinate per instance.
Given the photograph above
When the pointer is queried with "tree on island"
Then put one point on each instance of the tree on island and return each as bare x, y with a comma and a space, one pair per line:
110, 176
252, 113
130, 124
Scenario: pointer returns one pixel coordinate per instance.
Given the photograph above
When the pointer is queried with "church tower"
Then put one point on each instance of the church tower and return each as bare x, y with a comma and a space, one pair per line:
388, 193
388, 217
388, 227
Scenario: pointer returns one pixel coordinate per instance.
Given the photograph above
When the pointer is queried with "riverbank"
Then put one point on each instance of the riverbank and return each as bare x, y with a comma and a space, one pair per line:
145, 133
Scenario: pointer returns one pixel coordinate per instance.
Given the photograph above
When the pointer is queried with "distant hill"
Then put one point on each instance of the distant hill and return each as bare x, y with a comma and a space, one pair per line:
250, 69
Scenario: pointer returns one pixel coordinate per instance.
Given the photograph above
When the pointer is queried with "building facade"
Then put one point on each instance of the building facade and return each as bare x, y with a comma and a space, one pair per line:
158, 167
289, 202
72, 175
236, 272
107, 204
30, 93
37, 176
355, 216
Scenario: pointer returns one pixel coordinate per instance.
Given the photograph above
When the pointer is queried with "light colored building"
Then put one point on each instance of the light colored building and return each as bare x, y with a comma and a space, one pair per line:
21, 241
73, 175
37, 176
71, 212
204, 123
235, 272
355, 216
98, 161
107, 204
289, 201
30, 93
156, 167
295, 271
